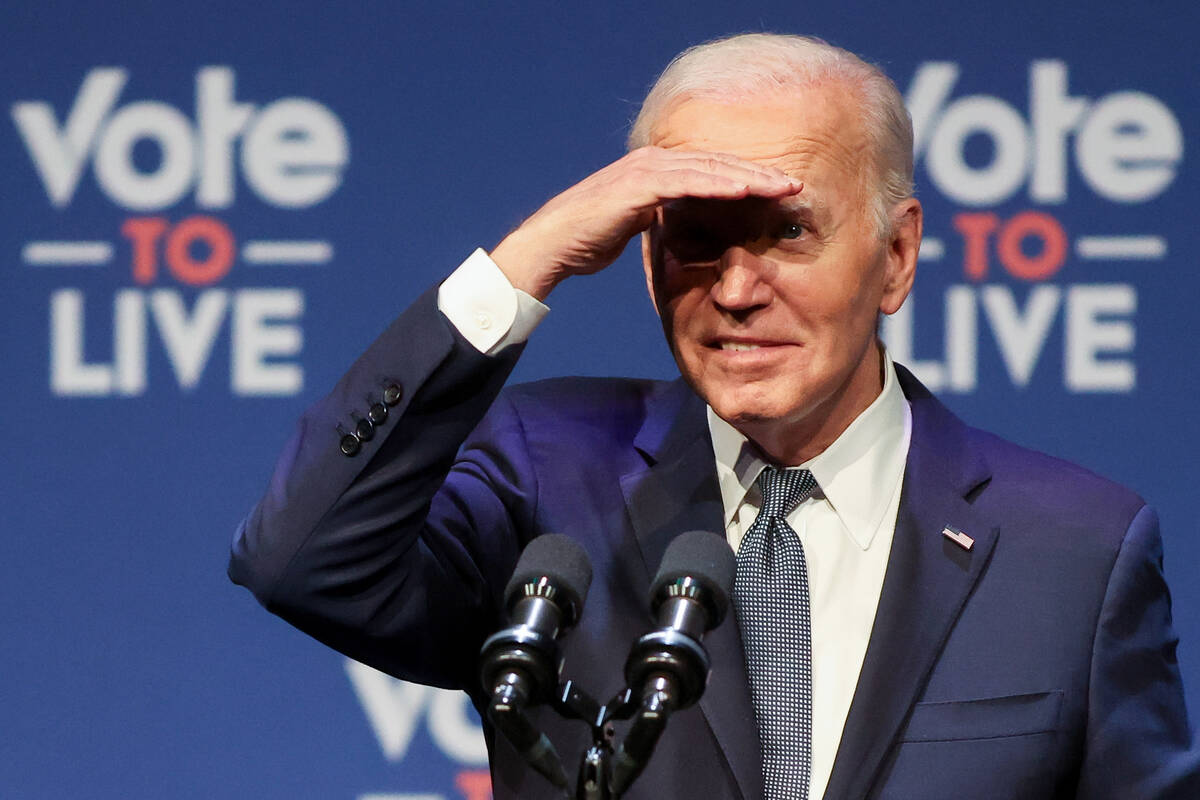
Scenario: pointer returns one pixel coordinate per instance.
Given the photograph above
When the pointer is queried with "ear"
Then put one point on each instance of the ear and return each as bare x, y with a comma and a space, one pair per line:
648, 246
901, 255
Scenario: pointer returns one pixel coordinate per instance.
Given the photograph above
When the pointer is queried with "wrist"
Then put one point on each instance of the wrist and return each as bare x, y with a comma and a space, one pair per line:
526, 265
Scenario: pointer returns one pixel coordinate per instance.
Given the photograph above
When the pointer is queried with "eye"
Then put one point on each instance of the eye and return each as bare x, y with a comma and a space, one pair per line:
790, 230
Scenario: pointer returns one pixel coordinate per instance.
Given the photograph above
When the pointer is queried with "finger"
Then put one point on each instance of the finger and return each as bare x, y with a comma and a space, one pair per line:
759, 182
678, 183
719, 162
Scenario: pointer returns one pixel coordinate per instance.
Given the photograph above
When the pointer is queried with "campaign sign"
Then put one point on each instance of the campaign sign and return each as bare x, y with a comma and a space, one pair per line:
210, 210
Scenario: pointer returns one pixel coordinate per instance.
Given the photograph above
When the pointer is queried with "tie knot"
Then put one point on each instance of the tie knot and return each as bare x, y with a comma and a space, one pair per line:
784, 489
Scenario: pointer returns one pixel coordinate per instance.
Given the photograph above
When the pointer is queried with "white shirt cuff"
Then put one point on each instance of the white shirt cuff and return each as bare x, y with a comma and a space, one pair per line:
486, 309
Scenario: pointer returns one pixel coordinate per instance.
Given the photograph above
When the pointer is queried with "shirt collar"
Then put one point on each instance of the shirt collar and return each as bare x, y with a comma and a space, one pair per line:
858, 474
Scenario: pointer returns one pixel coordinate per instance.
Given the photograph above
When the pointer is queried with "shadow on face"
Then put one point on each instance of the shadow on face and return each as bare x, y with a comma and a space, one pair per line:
698, 231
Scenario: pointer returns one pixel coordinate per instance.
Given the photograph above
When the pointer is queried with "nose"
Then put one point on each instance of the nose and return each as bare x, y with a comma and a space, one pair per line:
740, 284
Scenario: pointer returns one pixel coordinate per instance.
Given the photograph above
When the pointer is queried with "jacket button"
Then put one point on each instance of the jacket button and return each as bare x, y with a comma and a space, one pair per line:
350, 444
378, 413
364, 430
392, 394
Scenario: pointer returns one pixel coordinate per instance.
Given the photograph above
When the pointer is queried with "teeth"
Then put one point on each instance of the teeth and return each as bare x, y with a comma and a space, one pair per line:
738, 346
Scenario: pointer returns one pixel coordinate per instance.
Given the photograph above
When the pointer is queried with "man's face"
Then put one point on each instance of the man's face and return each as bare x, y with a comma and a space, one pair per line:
770, 306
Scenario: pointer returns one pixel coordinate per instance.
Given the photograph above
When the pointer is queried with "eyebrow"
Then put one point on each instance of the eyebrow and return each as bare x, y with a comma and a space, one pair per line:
805, 201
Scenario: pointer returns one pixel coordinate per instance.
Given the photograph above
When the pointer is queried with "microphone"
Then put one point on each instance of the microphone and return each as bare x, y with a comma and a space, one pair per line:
519, 664
668, 668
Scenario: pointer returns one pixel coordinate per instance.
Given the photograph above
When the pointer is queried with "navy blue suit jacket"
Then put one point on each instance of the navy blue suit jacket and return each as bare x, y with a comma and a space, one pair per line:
1038, 664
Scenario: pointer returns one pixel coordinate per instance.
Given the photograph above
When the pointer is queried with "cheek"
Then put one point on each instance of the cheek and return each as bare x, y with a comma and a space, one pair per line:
681, 297
844, 325
849, 298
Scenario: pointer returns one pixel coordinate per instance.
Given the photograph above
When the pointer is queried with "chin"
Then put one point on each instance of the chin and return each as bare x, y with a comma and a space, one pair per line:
737, 406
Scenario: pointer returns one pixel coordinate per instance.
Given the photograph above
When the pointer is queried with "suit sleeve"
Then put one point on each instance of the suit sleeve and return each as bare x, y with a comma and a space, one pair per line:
1138, 743
397, 555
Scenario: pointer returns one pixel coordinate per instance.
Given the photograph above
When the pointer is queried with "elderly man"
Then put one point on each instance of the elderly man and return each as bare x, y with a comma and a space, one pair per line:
922, 610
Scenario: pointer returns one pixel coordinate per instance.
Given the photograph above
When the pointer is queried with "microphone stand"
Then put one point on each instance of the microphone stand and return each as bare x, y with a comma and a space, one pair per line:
596, 766
667, 669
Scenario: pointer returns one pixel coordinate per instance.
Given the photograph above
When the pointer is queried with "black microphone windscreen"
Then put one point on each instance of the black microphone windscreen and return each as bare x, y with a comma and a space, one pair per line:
562, 561
703, 556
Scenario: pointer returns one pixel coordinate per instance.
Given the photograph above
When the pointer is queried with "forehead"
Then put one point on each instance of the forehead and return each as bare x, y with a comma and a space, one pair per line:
814, 133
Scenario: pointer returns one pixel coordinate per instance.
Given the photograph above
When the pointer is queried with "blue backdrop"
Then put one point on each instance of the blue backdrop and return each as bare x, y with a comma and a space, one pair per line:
210, 209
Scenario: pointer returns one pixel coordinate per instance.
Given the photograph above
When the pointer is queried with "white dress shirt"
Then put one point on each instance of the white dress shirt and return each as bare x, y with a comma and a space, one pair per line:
486, 309
846, 528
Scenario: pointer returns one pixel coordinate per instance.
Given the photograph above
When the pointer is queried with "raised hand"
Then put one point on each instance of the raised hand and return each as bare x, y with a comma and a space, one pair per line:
584, 229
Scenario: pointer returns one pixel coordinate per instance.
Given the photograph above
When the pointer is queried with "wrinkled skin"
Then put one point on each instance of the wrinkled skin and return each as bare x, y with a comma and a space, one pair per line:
761, 255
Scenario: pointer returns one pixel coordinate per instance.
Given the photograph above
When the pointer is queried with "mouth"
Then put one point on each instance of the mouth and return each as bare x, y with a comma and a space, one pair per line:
750, 356
745, 345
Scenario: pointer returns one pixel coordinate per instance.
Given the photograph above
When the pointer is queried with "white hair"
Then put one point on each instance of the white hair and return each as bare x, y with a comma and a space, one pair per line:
751, 64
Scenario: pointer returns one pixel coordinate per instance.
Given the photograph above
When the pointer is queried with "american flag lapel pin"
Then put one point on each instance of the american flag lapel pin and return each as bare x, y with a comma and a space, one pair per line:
958, 537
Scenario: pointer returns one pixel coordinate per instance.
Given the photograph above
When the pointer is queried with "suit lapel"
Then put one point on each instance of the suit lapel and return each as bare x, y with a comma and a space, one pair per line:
678, 492
927, 583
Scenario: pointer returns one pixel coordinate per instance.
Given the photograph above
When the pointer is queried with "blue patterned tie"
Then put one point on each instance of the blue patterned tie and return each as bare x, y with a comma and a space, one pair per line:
770, 593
